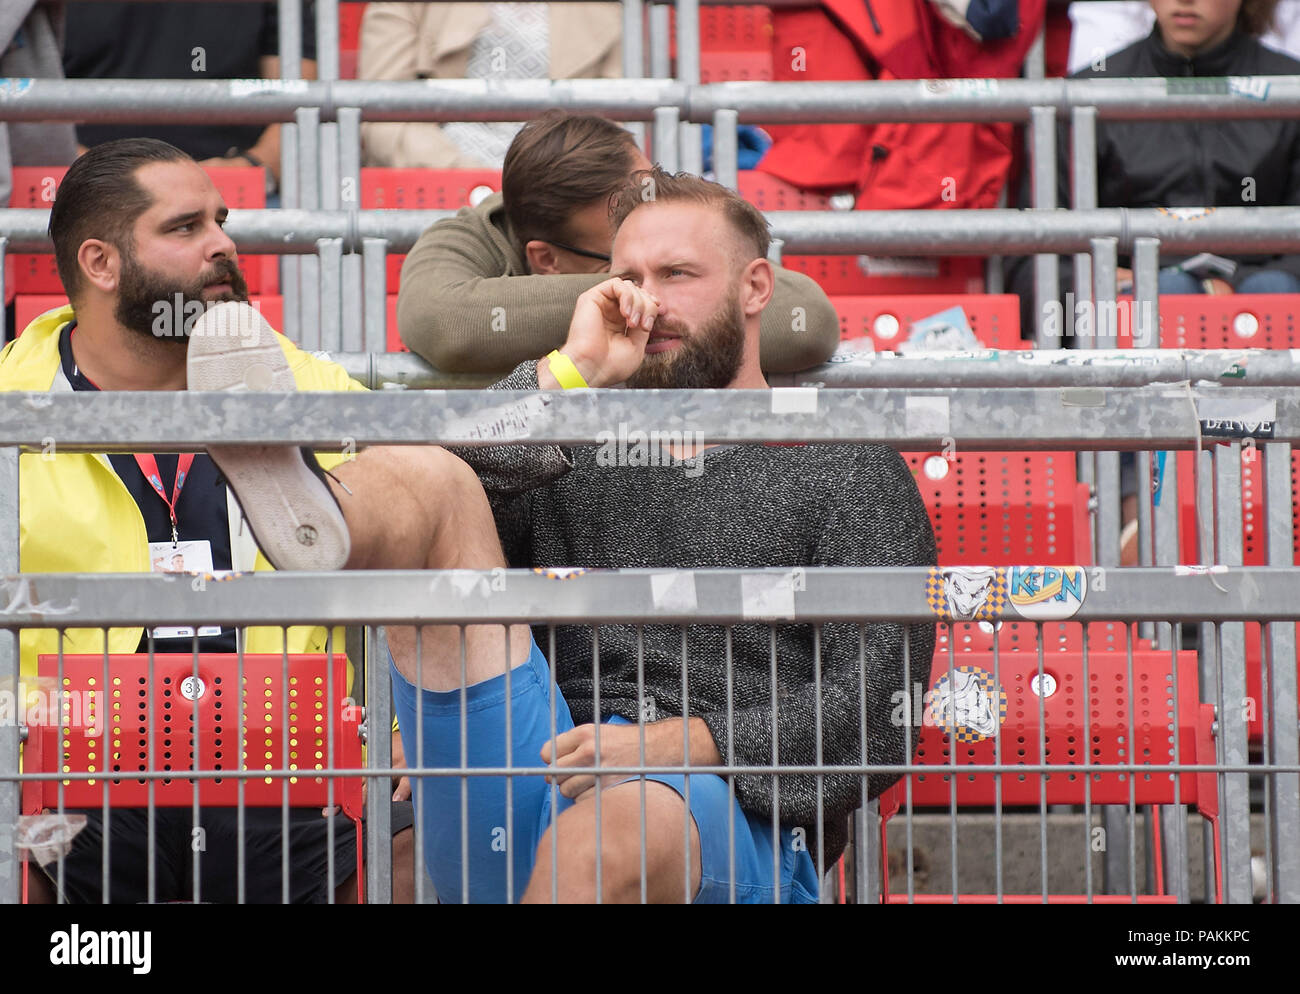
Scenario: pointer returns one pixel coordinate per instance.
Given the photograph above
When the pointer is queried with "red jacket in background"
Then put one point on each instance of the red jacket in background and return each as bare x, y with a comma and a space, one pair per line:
893, 166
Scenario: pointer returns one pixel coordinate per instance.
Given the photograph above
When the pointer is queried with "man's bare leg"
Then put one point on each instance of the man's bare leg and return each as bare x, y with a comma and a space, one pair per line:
420, 507
620, 848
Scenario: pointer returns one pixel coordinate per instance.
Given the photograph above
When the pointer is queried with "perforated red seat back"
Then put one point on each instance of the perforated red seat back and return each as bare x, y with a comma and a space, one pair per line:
1004, 508
107, 729
979, 713
994, 319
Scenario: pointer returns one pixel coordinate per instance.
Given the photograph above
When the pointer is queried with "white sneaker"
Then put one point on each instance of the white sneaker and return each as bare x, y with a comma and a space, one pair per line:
281, 489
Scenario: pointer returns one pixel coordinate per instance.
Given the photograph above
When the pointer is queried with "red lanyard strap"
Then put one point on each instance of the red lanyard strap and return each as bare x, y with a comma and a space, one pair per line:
149, 467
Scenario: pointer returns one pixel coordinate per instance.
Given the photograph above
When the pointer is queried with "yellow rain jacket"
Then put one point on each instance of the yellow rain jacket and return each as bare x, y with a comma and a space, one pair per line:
78, 517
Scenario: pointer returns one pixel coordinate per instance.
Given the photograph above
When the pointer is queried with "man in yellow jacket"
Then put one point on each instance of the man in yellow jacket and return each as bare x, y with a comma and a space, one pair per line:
139, 245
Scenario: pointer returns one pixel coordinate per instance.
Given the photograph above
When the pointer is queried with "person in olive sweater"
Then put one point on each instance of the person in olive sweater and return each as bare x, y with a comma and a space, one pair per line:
497, 284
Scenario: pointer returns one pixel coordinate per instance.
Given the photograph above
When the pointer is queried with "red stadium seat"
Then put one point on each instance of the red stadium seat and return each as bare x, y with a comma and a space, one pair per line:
852, 274
35, 186
421, 189
1004, 508
1099, 718
993, 318
110, 736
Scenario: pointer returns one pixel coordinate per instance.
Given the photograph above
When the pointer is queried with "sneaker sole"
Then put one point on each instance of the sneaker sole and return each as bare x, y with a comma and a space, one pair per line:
292, 513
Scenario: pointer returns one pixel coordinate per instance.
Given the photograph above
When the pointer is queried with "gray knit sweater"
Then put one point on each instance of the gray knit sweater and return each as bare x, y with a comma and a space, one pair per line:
751, 506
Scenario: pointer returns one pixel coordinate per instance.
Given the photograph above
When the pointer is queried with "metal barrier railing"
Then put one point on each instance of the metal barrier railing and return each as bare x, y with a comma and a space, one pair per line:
1132, 418
322, 145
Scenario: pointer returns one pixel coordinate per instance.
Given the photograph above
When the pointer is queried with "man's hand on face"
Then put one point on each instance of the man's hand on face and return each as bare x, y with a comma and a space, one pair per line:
608, 334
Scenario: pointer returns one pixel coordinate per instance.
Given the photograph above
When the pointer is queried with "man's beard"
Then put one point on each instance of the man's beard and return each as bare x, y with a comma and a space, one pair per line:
708, 358
144, 297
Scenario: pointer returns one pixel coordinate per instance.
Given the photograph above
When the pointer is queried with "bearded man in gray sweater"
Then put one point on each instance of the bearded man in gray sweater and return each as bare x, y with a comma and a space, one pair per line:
681, 310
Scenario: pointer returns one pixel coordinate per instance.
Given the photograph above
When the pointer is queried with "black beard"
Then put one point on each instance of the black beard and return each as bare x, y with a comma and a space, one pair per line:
141, 290
707, 359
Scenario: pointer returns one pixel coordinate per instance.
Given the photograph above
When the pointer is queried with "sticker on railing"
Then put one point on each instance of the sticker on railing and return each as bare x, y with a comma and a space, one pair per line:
970, 708
559, 572
1047, 593
1236, 417
967, 593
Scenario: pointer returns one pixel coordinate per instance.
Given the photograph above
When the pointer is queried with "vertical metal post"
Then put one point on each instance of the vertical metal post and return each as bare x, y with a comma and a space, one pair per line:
1083, 151
1284, 750
289, 268
379, 755
327, 39
867, 854
1035, 61
691, 155
4, 247
329, 257
1043, 163
660, 64
290, 22
1207, 661
1145, 319
374, 255
10, 791
349, 183
1173, 818
633, 44
1232, 673
726, 169
665, 138
308, 122
1105, 263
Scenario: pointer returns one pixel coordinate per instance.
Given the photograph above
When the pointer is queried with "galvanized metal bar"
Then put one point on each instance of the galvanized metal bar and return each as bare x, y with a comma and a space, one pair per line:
375, 282
690, 149
989, 368
395, 597
1145, 318
309, 196
349, 197
10, 791
1207, 642
289, 20
1042, 145
1105, 324
1083, 150
1130, 418
327, 39
633, 30
329, 261
666, 145
826, 102
660, 60
1235, 817
289, 270
725, 151
978, 232
1281, 708
1108, 508
379, 755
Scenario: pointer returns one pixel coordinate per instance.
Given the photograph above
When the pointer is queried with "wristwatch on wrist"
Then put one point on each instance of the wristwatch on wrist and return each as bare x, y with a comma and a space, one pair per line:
235, 152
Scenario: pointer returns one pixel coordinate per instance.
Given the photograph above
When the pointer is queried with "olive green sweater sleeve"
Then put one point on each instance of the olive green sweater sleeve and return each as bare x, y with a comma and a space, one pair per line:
467, 306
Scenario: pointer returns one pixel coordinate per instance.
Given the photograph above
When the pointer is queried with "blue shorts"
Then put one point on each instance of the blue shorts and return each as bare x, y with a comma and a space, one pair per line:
475, 836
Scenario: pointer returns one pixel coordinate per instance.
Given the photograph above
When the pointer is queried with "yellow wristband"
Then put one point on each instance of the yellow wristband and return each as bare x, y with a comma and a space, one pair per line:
564, 371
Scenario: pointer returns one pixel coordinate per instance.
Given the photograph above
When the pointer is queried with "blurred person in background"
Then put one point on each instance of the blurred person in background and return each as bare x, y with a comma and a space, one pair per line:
491, 41
187, 41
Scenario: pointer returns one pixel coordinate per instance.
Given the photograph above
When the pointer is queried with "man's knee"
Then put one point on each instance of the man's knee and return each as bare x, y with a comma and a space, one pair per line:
570, 863
634, 856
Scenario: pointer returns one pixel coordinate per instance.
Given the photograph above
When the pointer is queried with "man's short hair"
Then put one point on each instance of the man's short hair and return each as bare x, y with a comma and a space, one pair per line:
658, 186
560, 163
100, 198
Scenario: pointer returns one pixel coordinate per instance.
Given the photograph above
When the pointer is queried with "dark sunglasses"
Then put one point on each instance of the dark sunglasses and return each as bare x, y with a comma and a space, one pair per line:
582, 252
